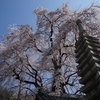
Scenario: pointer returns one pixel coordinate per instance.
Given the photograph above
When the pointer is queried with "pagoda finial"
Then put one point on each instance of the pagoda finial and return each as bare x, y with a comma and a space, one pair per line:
80, 27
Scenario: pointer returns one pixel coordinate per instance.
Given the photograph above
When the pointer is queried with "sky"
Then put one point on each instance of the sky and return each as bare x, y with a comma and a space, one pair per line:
21, 11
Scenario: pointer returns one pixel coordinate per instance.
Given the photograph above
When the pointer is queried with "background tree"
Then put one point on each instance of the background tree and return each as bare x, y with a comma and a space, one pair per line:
6, 94
45, 58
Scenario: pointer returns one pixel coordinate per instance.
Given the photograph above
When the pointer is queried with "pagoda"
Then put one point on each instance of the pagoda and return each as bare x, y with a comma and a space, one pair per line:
88, 59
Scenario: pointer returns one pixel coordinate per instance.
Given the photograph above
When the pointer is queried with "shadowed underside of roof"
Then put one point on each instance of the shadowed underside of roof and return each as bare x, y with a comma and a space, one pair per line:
59, 97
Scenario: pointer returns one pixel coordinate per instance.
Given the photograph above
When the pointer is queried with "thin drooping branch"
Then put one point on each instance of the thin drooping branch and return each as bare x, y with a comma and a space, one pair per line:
18, 77
67, 79
35, 72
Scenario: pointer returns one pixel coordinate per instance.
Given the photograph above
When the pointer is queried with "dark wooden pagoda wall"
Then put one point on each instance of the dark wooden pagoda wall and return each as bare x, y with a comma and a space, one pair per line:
88, 58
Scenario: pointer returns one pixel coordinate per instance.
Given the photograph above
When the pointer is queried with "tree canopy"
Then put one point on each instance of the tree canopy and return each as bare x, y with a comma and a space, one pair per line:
46, 59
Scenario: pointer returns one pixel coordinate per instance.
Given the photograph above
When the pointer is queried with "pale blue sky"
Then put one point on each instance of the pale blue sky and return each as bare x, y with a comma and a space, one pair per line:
21, 11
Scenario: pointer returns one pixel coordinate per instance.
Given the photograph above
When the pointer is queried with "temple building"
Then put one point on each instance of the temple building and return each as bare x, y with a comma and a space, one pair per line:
53, 96
88, 59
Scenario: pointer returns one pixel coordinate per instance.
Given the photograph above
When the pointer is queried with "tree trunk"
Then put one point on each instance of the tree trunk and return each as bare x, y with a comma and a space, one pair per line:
58, 80
18, 97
